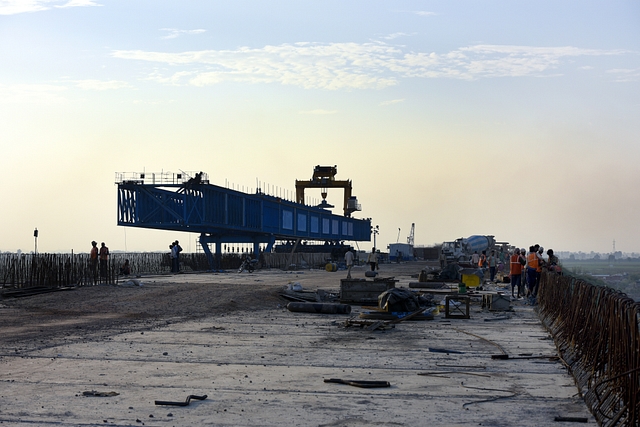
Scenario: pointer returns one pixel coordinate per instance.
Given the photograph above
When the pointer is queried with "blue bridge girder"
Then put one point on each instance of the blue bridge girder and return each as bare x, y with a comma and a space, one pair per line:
221, 215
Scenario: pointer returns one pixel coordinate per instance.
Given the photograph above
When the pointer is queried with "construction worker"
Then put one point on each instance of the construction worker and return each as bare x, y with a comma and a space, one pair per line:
125, 270
541, 263
104, 258
475, 258
532, 272
523, 276
492, 262
93, 260
553, 263
372, 260
482, 262
172, 257
175, 257
515, 271
348, 259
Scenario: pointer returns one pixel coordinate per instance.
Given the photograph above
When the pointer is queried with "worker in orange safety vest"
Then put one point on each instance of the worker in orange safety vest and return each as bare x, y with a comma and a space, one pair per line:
532, 271
515, 271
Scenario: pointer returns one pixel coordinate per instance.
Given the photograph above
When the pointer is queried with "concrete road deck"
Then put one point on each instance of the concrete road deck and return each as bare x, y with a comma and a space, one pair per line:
266, 368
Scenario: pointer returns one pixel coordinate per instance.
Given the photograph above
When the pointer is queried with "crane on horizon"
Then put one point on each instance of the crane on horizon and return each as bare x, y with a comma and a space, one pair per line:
411, 234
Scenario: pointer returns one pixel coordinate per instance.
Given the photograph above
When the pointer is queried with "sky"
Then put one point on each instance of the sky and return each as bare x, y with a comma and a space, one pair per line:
518, 119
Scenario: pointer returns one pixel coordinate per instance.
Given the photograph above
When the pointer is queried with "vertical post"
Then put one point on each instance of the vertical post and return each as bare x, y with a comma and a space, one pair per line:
204, 242
218, 254
35, 236
375, 231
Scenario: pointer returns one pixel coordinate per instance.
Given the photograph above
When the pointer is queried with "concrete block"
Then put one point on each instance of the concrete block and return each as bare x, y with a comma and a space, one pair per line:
496, 302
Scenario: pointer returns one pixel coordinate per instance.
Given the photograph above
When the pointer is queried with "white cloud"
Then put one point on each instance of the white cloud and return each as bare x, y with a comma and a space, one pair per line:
329, 66
354, 66
175, 79
623, 75
391, 102
101, 85
319, 112
78, 3
175, 33
13, 7
486, 61
395, 36
32, 94
424, 13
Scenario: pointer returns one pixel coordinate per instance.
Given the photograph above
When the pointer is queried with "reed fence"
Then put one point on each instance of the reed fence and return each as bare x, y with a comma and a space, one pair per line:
295, 260
62, 270
597, 332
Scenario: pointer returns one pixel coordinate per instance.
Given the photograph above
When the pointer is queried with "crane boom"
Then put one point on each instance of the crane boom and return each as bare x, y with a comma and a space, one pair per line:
411, 234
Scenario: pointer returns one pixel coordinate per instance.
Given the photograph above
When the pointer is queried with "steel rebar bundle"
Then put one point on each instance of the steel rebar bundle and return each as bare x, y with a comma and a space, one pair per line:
597, 332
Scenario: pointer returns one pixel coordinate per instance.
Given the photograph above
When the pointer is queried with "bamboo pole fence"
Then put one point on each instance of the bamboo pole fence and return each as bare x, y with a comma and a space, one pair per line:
65, 270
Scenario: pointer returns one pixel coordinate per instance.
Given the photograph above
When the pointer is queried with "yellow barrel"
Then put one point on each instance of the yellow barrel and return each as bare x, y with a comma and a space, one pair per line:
331, 266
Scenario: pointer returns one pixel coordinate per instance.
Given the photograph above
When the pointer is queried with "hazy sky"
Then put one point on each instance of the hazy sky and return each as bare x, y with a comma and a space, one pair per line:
519, 119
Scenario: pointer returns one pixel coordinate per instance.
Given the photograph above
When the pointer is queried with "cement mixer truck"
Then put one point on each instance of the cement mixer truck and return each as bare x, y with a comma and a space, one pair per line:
460, 250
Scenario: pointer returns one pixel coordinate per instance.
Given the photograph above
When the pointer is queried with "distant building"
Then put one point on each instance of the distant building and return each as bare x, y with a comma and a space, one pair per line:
402, 250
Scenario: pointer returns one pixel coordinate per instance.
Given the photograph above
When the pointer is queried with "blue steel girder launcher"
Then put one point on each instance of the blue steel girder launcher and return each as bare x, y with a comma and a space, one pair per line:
188, 202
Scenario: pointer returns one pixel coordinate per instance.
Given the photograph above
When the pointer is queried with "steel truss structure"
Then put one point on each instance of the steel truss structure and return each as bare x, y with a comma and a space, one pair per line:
189, 203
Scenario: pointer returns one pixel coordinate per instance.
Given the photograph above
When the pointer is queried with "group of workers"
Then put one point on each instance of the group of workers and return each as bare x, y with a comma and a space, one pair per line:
526, 269
100, 255
372, 261
175, 249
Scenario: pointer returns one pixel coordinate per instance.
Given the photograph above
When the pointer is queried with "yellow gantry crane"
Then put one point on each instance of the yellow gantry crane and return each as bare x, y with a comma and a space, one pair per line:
324, 178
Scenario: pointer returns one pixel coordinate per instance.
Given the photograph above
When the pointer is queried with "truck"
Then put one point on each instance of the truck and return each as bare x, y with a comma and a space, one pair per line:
461, 250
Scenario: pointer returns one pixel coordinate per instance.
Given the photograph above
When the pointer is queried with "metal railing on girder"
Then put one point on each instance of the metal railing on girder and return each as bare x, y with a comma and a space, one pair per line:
159, 178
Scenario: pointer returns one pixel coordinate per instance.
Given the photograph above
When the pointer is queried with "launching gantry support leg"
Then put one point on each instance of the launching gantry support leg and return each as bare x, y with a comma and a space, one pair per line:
324, 178
215, 259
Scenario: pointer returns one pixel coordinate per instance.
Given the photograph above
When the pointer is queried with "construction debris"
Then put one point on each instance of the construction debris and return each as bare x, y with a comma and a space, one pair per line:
496, 301
306, 307
395, 316
506, 357
456, 307
571, 419
185, 403
293, 291
361, 291
359, 383
429, 285
444, 350
368, 325
100, 393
